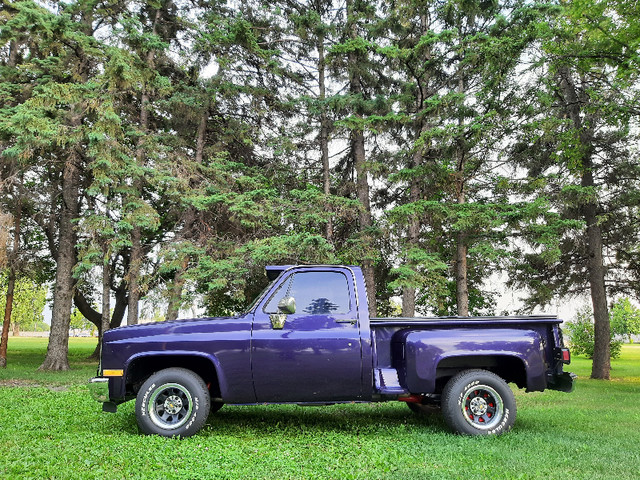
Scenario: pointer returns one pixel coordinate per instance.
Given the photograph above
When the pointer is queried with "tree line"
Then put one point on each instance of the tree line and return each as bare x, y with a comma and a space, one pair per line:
172, 148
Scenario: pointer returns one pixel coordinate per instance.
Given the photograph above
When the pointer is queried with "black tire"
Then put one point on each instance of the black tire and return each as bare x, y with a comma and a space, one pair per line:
172, 402
478, 402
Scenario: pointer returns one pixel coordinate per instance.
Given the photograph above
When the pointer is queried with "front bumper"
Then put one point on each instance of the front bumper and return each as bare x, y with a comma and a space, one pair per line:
99, 389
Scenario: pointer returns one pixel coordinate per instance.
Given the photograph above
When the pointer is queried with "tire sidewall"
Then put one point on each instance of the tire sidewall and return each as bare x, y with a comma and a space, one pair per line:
452, 402
189, 381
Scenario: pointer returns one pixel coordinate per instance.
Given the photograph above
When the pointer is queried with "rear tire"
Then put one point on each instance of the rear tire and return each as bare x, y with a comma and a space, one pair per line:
478, 402
173, 402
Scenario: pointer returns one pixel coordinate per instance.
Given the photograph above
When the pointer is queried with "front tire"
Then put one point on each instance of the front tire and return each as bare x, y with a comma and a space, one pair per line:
478, 402
172, 402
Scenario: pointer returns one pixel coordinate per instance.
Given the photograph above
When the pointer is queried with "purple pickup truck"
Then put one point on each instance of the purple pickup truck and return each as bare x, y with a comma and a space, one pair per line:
308, 339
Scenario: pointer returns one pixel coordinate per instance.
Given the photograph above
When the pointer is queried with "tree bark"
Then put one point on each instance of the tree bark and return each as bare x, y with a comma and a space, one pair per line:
359, 158
11, 281
134, 275
462, 249
106, 293
56, 358
175, 298
601, 366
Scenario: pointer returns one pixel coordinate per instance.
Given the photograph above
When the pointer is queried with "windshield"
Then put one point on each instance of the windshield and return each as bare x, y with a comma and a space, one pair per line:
259, 297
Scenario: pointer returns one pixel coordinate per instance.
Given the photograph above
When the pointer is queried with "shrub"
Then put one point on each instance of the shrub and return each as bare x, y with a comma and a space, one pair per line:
625, 319
581, 335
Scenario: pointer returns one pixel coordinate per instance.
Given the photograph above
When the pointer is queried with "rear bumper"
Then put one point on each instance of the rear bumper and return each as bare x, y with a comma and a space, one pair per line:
564, 382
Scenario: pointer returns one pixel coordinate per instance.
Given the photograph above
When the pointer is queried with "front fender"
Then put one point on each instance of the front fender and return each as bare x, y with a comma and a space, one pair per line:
157, 356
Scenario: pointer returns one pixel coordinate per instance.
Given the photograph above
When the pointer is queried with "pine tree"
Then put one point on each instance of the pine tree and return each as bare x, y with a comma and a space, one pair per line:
579, 145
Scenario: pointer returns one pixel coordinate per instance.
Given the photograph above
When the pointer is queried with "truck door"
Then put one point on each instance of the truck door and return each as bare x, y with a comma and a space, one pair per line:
316, 355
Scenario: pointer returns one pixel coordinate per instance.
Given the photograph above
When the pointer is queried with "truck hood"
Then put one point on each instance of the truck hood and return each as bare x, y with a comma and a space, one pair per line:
182, 326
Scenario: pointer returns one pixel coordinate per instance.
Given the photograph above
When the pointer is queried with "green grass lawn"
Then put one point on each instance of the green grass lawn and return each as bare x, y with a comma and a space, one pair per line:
50, 428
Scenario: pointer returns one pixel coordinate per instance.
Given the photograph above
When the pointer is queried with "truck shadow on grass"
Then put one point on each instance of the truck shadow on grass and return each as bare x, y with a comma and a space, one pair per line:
261, 420
356, 419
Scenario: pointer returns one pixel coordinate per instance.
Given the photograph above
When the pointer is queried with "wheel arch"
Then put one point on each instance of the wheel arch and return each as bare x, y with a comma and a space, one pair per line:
510, 368
430, 357
141, 367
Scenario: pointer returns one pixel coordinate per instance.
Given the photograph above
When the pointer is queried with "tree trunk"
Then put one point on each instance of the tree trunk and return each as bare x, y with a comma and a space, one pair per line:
11, 281
462, 288
413, 230
135, 264
324, 134
137, 252
56, 358
601, 367
66, 258
17, 221
359, 158
462, 249
106, 293
413, 234
175, 298
190, 219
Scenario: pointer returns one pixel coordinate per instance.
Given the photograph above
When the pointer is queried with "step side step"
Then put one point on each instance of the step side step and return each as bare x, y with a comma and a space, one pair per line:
387, 382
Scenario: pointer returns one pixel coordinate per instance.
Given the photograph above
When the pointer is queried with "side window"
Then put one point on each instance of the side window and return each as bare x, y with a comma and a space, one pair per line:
316, 293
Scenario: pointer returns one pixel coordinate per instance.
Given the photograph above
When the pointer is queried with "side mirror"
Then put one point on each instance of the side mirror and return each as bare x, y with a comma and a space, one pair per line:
287, 305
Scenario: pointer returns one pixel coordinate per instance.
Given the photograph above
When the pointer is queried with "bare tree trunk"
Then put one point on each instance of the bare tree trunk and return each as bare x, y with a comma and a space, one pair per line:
359, 157
462, 289
56, 358
601, 367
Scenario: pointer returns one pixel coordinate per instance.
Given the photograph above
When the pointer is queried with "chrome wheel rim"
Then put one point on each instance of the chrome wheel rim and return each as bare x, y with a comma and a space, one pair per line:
170, 406
482, 407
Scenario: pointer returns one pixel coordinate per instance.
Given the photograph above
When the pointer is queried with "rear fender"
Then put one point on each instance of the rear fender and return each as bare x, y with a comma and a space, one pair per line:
425, 351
